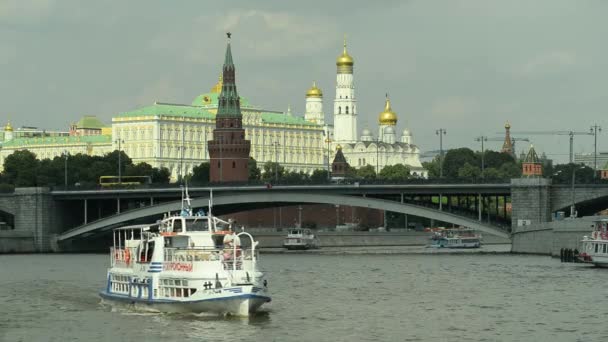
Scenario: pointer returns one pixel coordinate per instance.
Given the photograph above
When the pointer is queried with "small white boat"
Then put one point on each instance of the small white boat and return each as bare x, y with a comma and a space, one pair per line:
456, 238
298, 238
186, 263
595, 247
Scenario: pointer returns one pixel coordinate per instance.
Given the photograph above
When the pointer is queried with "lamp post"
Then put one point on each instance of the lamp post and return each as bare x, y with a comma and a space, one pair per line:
482, 139
594, 130
119, 142
441, 132
328, 141
276, 165
65, 181
572, 191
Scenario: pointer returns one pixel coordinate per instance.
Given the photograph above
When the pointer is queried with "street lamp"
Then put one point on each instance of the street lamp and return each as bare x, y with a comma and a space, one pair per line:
594, 130
441, 132
573, 205
65, 154
276, 165
119, 142
328, 141
482, 139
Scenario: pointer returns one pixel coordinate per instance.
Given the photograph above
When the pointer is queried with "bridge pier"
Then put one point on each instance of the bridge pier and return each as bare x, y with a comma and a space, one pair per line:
35, 221
531, 202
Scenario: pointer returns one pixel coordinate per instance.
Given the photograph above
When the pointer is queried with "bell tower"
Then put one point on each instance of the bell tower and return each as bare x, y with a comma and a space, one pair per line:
229, 151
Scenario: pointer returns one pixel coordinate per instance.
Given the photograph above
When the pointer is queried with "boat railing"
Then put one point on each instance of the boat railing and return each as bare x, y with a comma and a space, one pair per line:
122, 257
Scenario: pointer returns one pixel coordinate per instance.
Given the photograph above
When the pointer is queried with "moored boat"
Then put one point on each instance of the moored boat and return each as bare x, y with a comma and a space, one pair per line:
456, 238
298, 238
186, 263
595, 246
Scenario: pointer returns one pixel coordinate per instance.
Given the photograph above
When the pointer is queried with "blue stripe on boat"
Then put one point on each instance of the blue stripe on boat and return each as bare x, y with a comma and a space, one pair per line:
126, 298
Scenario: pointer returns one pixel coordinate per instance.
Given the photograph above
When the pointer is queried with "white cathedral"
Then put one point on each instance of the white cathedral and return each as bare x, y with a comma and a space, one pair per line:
378, 152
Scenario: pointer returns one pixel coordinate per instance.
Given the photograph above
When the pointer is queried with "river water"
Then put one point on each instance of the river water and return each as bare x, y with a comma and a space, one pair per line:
354, 297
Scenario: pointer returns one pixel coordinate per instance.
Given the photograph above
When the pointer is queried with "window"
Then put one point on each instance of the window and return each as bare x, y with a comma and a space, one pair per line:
177, 226
233, 164
339, 110
346, 109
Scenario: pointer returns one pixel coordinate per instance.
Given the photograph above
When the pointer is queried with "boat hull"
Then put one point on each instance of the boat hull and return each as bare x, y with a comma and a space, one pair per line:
238, 305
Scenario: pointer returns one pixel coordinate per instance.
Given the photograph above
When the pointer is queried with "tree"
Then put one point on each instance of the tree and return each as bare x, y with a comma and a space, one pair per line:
200, 174
432, 167
395, 173
454, 159
161, 175
21, 168
510, 170
295, 178
319, 176
254, 171
469, 171
366, 172
497, 159
269, 171
563, 174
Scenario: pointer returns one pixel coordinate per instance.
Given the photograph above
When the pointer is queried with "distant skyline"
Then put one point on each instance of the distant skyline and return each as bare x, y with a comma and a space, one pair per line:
464, 65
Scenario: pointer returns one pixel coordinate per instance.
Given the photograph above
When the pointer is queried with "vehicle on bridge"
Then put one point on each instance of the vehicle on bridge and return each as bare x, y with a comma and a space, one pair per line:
124, 181
595, 247
298, 238
455, 238
186, 263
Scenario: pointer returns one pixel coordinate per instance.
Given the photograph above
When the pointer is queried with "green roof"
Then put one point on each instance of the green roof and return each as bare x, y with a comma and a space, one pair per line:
90, 121
210, 99
275, 118
19, 142
165, 109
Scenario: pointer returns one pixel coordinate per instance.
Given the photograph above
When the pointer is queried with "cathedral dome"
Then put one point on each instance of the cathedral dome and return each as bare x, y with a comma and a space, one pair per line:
389, 130
314, 91
366, 132
388, 117
217, 88
345, 62
8, 127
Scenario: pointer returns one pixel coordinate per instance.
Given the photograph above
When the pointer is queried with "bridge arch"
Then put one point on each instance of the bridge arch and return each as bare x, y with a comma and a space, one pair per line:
279, 197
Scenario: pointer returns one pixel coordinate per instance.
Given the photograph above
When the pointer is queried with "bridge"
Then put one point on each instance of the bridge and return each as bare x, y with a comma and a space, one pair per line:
67, 215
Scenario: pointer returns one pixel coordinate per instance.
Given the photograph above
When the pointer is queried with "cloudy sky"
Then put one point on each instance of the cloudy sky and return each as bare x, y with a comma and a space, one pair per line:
463, 65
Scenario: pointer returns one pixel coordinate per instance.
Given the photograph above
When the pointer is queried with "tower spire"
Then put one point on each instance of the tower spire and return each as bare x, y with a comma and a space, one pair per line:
507, 146
229, 101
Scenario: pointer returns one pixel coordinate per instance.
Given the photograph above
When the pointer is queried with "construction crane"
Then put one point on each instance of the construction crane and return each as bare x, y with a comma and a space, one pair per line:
569, 133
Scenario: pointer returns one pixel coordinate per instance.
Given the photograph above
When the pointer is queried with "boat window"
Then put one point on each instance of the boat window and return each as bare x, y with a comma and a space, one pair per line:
605, 246
177, 225
597, 247
198, 226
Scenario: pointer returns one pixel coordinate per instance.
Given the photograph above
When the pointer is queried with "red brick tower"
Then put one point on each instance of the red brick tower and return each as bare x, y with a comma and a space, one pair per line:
532, 167
229, 151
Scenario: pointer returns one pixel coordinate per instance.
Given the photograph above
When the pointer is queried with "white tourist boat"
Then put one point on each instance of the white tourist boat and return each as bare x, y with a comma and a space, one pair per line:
595, 247
299, 238
456, 238
186, 263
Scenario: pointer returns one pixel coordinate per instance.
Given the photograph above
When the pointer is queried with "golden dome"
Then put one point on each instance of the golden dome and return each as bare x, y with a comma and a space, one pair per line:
345, 62
217, 88
8, 127
507, 125
314, 91
338, 147
388, 117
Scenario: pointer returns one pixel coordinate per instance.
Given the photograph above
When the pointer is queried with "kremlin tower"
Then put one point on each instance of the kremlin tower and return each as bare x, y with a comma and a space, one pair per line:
345, 110
229, 151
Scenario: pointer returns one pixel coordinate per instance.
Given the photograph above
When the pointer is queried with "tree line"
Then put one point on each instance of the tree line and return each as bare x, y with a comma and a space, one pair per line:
23, 169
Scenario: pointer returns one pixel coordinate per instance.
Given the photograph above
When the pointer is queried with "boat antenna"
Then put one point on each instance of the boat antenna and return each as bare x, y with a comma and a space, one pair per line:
186, 209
